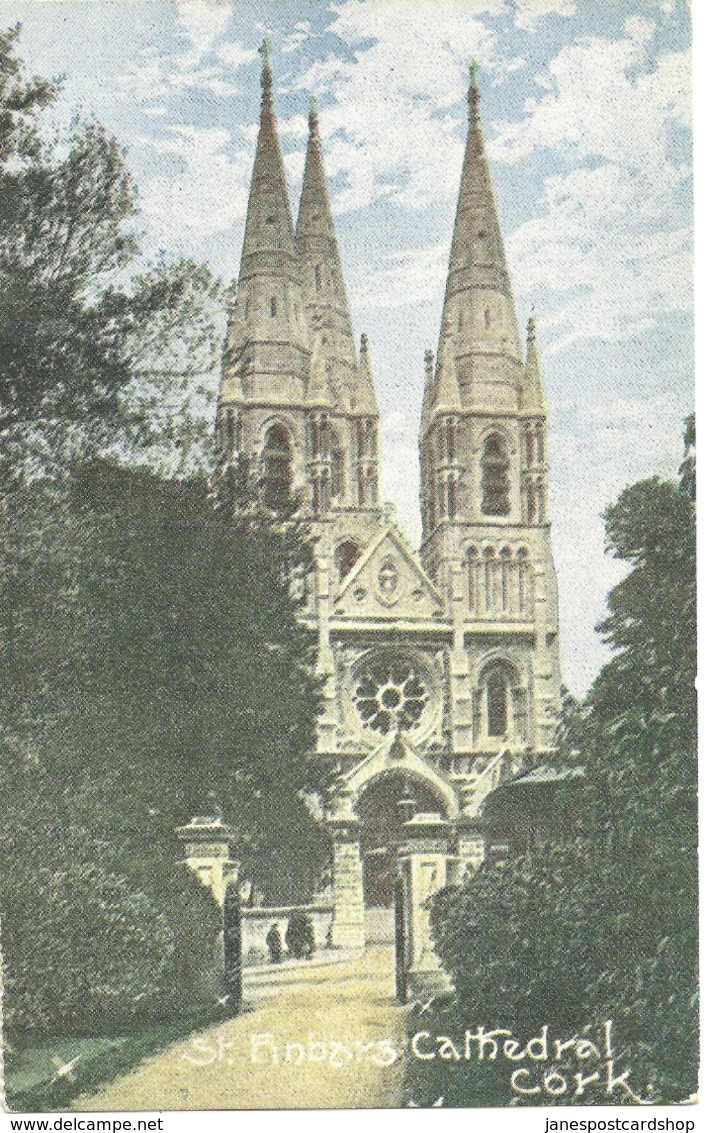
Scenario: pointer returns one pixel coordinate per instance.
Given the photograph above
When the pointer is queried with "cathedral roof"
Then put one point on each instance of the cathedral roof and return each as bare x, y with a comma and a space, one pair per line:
364, 400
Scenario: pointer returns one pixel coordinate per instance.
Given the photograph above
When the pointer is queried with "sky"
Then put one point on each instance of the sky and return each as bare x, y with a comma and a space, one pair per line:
586, 106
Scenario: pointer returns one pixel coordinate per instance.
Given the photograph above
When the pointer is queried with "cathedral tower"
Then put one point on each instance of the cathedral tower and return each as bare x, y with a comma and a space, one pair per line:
484, 476
297, 408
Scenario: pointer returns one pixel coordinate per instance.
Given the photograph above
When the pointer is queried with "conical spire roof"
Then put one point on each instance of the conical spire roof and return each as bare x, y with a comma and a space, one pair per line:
268, 224
478, 304
268, 337
533, 396
315, 221
324, 288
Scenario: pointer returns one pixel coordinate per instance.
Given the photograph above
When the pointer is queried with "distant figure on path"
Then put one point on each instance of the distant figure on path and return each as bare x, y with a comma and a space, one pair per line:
273, 940
299, 936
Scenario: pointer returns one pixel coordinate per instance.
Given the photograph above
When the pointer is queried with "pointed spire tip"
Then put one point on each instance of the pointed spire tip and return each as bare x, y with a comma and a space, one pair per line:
474, 90
313, 117
266, 77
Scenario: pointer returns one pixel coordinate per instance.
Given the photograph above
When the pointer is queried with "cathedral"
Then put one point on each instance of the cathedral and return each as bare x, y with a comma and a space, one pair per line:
441, 665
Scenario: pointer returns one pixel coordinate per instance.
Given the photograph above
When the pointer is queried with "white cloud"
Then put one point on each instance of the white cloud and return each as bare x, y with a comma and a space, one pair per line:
150, 77
400, 470
606, 100
596, 451
530, 12
235, 55
203, 20
389, 131
592, 245
208, 196
608, 236
302, 34
405, 278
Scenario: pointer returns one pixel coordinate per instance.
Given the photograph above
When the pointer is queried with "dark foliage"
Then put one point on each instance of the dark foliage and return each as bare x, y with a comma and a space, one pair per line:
153, 668
605, 925
96, 932
92, 355
151, 664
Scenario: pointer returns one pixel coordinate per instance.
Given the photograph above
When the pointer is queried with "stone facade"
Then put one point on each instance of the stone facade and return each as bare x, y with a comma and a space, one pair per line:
442, 667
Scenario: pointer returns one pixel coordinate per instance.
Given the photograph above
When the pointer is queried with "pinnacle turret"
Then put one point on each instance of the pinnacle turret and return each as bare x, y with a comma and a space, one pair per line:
365, 401
533, 396
428, 389
446, 397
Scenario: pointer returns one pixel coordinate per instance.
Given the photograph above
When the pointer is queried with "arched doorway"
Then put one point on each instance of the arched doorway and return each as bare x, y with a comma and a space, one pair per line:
383, 807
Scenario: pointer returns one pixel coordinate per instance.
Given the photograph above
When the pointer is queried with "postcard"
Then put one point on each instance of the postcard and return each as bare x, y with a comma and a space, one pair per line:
347, 556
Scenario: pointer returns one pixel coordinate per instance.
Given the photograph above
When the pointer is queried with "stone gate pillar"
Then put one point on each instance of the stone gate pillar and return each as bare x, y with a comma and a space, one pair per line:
208, 845
348, 927
423, 861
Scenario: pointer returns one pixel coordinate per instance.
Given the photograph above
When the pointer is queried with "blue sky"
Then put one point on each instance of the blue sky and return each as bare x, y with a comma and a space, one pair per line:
586, 107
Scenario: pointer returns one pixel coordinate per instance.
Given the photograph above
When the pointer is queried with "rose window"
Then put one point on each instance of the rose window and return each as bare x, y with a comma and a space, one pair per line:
391, 694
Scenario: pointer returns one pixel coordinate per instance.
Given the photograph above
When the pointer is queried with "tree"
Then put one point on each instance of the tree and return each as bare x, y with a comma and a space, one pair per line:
154, 664
88, 347
605, 926
174, 345
20, 99
154, 668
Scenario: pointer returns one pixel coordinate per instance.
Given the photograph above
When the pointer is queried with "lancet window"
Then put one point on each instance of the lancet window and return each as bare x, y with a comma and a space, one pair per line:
337, 466
534, 495
499, 584
501, 703
534, 445
346, 556
495, 479
496, 690
277, 467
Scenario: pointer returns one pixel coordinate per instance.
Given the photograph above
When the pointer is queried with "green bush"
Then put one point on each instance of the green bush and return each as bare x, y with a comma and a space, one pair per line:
95, 933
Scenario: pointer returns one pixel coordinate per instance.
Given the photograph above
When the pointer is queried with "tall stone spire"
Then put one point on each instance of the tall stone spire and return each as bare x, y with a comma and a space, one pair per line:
323, 285
267, 352
478, 304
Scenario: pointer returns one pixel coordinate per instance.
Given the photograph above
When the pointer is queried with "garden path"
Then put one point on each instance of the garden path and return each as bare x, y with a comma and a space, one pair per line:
326, 1041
